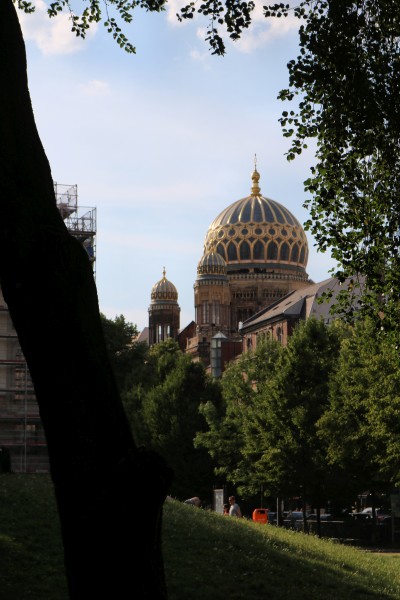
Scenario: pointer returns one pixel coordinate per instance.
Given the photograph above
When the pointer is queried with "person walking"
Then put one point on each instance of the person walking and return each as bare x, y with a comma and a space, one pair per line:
234, 509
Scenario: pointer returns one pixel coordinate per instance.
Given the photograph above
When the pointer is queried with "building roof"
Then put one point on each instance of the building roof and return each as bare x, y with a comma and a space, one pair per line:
143, 336
302, 303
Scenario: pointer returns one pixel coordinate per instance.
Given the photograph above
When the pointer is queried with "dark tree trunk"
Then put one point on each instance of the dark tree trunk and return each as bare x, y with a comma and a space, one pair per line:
109, 493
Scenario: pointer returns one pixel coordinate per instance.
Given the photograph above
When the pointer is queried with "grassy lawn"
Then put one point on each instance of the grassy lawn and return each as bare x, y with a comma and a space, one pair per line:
207, 556
31, 557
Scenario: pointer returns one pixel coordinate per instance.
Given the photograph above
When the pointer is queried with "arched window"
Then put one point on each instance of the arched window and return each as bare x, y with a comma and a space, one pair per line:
295, 253
232, 251
272, 251
284, 251
221, 251
302, 253
258, 251
244, 251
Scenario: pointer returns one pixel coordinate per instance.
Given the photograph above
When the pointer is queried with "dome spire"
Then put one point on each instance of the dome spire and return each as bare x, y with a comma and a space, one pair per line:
255, 188
164, 273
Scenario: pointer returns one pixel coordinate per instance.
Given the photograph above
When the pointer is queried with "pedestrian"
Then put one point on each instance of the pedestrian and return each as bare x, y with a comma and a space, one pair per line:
226, 509
234, 510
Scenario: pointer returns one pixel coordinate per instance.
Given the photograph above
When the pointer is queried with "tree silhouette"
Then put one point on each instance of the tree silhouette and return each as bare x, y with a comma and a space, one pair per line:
109, 492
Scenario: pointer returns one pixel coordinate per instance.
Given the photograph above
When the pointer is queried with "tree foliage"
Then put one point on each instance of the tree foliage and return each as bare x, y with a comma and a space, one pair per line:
164, 412
266, 433
281, 430
319, 420
225, 437
110, 12
344, 94
232, 16
127, 355
361, 426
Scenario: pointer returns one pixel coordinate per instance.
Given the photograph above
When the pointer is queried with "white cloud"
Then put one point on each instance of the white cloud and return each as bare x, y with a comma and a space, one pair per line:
51, 35
264, 31
174, 7
261, 32
201, 57
95, 87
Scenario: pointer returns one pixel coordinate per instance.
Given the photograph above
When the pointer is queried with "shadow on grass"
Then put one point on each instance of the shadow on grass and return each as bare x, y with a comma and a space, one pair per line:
207, 556
215, 557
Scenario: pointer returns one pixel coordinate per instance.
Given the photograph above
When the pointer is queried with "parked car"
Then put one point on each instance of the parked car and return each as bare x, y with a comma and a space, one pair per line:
360, 516
323, 517
292, 517
381, 513
295, 515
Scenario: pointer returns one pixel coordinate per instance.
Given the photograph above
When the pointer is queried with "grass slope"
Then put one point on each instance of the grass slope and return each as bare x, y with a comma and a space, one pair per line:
206, 555
215, 557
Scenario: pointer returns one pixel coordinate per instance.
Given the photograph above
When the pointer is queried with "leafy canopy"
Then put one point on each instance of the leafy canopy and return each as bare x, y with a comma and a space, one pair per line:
164, 413
345, 85
127, 356
233, 15
280, 429
361, 425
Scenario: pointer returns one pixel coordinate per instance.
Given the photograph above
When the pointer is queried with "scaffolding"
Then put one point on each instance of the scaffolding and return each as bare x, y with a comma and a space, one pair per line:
21, 432
81, 221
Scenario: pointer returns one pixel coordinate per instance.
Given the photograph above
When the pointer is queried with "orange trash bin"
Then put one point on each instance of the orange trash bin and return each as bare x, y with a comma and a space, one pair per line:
260, 515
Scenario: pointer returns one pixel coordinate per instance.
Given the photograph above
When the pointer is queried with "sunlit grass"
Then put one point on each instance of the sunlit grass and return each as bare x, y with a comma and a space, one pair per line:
213, 556
207, 556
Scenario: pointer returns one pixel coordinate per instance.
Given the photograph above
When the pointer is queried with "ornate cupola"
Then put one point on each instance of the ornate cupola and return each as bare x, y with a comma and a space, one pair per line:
264, 248
164, 311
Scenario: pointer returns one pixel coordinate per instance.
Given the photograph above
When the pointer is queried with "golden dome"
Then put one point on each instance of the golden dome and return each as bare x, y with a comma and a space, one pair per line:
164, 291
257, 233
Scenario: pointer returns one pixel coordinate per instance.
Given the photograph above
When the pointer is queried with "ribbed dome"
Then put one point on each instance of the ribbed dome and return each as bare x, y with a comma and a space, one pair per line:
211, 263
164, 290
256, 231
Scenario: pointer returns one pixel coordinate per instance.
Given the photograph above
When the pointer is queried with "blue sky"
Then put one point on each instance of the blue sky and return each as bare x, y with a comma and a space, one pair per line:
162, 141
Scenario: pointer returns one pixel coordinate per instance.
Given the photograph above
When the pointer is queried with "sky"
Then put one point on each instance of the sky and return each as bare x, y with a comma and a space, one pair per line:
160, 142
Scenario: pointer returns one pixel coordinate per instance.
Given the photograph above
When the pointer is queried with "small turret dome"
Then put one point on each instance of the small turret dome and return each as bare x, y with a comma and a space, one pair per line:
164, 291
211, 263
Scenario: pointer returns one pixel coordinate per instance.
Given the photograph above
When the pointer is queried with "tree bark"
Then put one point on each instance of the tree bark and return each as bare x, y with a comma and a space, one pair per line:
109, 493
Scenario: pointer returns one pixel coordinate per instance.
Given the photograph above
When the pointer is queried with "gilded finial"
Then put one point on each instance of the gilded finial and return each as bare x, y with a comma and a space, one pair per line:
255, 188
164, 272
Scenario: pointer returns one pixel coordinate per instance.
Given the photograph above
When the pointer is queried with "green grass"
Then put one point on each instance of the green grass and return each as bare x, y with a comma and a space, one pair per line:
207, 556
31, 556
